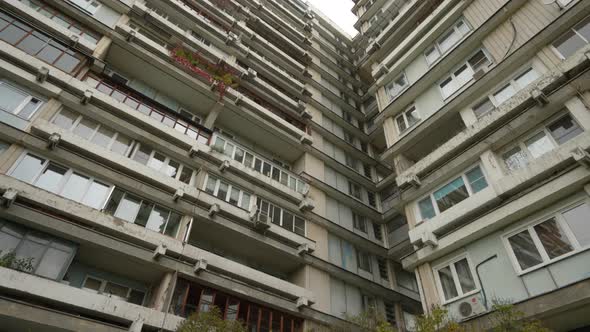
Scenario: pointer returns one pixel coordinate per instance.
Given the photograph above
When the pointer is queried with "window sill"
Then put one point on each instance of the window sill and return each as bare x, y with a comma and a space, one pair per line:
459, 298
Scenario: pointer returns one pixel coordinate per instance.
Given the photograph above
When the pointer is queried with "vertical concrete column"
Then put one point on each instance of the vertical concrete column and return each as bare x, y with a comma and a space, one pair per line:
48, 110
209, 122
492, 169
578, 108
468, 116
428, 291
390, 131
184, 224
102, 47
401, 163
164, 291
136, 326
411, 216
200, 178
399, 317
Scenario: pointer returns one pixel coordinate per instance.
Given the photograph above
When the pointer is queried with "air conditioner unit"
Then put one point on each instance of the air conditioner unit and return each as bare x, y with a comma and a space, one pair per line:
262, 221
470, 307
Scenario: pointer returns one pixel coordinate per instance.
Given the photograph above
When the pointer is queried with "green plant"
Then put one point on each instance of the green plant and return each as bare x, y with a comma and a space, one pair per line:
210, 321
370, 320
437, 321
9, 260
505, 318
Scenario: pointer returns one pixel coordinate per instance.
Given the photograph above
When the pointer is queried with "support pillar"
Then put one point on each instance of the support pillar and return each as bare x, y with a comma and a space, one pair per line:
162, 295
399, 318
428, 291
209, 122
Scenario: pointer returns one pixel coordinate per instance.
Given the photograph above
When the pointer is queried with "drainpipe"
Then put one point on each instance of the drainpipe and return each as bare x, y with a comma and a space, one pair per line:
485, 301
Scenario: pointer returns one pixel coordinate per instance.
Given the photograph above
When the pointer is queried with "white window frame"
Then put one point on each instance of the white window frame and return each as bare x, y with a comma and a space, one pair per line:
463, 175
452, 76
86, 5
403, 115
369, 257
64, 179
359, 219
436, 45
166, 162
451, 263
543, 127
229, 189
553, 213
390, 85
271, 207
555, 50
25, 102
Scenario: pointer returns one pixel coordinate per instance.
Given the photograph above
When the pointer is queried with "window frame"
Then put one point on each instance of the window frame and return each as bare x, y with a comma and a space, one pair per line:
230, 186
25, 102
270, 214
451, 263
393, 82
452, 73
572, 29
466, 182
404, 116
555, 213
103, 284
436, 44
167, 159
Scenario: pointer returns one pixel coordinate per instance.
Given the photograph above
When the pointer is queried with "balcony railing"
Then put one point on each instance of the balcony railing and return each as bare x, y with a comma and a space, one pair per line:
254, 161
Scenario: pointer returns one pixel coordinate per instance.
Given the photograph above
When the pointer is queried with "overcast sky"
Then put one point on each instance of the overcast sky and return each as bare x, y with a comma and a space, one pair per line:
339, 12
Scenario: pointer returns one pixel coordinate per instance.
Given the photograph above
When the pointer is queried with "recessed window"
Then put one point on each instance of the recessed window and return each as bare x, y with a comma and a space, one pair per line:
364, 261
452, 193
397, 86
89, 6
574, 39
112, 289
456, 279
545, 140
359, 222
464, 73
447, 40
407, 119
551, 239
227, 192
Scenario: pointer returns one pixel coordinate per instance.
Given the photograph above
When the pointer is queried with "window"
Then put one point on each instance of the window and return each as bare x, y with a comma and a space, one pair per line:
112, 289
39, 45
377, 231
464, 73
364, 261
406, 279
354, 190
163, 164
359, 222
451, 194
50, 257
407, 119
18, 102
90, 6
536, 145
550, 239
397, 86
505, 92
382, 264
62, 20
251, 160
281, 217
227, 192
61, 180
136, 210
448, 39
3, 146
456, 279
574, 39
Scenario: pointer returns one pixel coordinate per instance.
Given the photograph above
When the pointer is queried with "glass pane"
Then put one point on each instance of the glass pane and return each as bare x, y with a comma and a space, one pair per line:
96, 195
476, 180
50, 52
53, 263
210, 186
206, 300
232, 309
412, 117
526, 78
465, 277
67, 62
114, 201
172, 168
65, 119
553, 238
276, 174
30, 250
121, 145
51, 178
479, 61
92, 283
504, 94
583, 27
29, 109
234, 196
116, 290
10, 237
10, 97
451, 194
142, 154
288, 220
539, 144
186, 175
426, 209
245, 203
525, 250
157, 220
483, 107
248, 158
85, 128
103, 137
448, 40
144, 213
266, 169
136, 297
173, 224
33, 43
432, 55
448, 283
222, 191
569, 43
564, 129
239, 155
515, 159
27, 168
12, 34
578, 220
157, 161
128, 208
299, 226
75, 187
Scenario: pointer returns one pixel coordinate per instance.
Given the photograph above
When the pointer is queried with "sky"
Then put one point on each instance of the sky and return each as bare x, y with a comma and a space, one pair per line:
339, 12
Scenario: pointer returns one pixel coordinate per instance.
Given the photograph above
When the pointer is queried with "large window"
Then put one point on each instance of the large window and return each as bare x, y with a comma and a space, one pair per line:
136, 102
280, 217
61, 180
39, 45
49, 257
541, 141
163, 164
65, 21
16, 101
452, 193
407, 119
359, 222
139, 211
505, 92
113, 289
573, 40
227, 192
455, 279
550, 239
464, 73
90, 6
397, 86
189, 298
251, 160
448, 39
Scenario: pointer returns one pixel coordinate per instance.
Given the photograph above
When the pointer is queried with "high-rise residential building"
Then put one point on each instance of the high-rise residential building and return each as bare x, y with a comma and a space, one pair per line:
484, 117
160, 157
